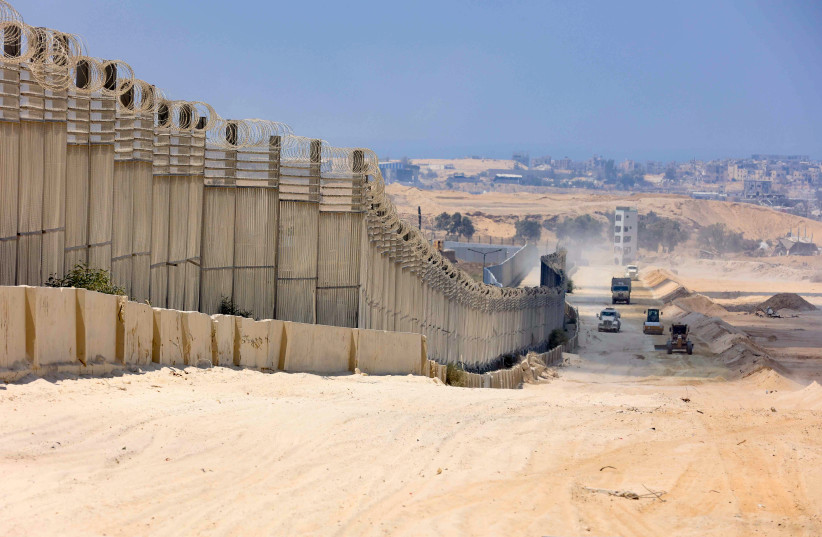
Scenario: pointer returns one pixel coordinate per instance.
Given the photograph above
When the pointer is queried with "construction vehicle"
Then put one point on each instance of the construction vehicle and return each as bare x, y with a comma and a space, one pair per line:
653, 324
679, 339
609, 320
632, 271
620, 290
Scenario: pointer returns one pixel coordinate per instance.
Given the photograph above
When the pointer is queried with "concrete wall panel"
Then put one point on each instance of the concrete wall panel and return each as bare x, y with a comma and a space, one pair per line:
51, 325
318, 349
196, 338
251, 342
137, 333
223, 330
276, 342
168, 338
389, 353
97, 327
13, 328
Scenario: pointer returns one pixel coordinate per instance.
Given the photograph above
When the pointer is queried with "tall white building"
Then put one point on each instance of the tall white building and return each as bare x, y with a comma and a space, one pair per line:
626, 222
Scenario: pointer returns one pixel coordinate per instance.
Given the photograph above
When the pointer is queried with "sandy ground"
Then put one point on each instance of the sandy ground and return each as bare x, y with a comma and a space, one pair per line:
500, 210
239, 452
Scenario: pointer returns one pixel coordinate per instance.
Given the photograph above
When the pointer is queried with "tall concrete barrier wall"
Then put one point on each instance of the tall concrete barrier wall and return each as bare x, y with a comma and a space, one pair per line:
511, 272
45, 330
187, 209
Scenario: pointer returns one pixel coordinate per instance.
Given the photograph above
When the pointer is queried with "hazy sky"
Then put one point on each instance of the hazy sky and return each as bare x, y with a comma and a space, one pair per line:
642, 80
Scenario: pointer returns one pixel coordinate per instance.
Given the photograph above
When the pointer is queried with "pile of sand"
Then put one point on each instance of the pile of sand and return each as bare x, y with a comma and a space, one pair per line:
700, 304
664, 285
729, 343
790, 301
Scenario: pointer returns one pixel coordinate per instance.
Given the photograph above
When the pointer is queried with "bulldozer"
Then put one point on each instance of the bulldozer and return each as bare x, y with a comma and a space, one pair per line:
679, 339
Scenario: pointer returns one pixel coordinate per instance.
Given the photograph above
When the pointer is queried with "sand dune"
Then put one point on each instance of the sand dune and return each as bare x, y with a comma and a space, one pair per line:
502, 209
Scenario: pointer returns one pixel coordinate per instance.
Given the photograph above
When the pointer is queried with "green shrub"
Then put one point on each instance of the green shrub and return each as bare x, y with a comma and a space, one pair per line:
455, 375
558, 337
83, 277
569, 286
228, 307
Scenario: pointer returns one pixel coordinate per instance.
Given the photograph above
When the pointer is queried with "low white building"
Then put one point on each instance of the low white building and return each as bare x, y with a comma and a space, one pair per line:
626, 222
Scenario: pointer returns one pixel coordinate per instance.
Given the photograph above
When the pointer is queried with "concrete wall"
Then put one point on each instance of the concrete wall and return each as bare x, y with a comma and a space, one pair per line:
46, 330
510, 272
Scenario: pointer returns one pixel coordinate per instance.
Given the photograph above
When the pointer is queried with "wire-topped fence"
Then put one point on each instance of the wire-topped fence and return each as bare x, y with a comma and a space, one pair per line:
188, 209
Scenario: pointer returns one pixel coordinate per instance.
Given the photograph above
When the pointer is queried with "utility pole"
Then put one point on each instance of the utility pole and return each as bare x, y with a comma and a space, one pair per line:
419, 217
483, 254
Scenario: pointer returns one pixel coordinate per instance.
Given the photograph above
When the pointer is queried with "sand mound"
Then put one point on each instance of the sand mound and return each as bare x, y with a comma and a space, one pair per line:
768, 379
790, 301
732, 345
664, 285
700, 304
810, 396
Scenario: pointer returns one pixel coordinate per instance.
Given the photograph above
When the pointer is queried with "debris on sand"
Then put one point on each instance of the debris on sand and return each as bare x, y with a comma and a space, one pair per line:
628, 494
790, 301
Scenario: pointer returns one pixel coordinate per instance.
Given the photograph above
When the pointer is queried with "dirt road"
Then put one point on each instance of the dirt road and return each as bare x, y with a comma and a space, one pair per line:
630, 352
239, 452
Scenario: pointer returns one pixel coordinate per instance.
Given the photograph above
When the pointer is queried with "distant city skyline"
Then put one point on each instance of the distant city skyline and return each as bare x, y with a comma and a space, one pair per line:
637, 80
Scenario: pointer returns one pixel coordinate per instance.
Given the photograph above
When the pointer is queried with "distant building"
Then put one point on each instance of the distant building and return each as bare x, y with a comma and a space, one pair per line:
782, 158
626, 224
508, 178
563, 163
756, 188
786, 246
522, 158
400, 171
460, 177
627, 166
709, 196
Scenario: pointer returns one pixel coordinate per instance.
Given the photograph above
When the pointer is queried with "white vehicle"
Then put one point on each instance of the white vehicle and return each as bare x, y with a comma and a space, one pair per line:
632, 271
609, 320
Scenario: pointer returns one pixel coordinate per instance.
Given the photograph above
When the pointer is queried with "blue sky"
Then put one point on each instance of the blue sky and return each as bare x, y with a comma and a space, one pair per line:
642, 80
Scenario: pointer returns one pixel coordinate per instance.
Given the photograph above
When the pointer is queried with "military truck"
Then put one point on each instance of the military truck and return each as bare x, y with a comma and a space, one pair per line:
620, 290
679, 339
652, 324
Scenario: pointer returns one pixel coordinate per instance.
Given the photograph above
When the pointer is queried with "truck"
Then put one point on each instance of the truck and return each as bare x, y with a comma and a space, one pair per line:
620, 290
609, 320
632, 271
652, 324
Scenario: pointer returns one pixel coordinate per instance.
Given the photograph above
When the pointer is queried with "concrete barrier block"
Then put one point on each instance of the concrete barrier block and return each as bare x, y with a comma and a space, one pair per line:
442, 372
137, 328
486, 380
196, 338
315, 348
223, 329
97, 327
389, 353
251, 342
51, 335
276, 342
13, 328
496, 381
168, 338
